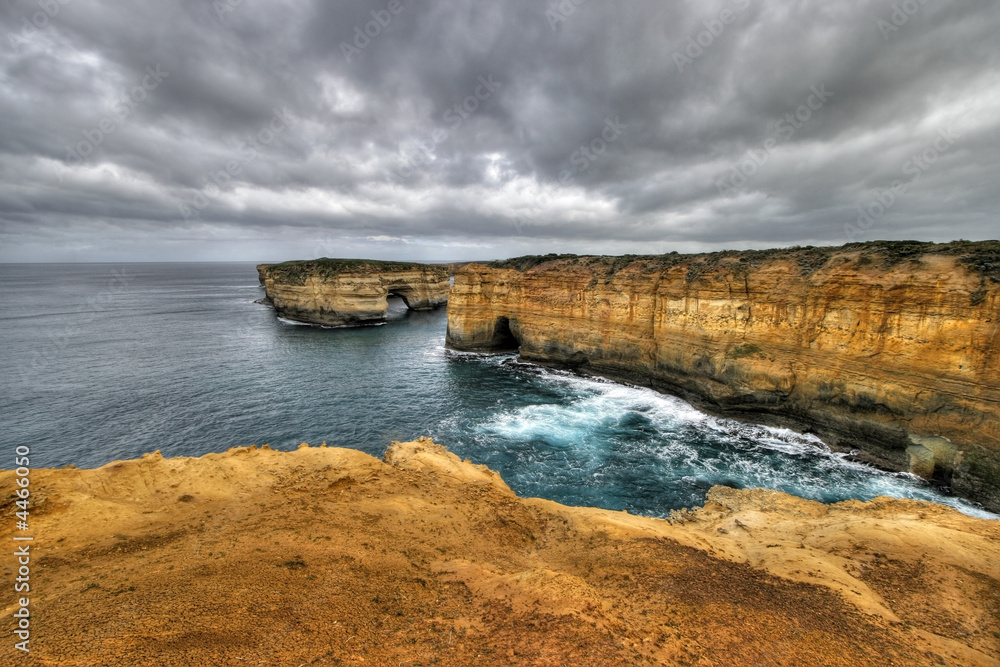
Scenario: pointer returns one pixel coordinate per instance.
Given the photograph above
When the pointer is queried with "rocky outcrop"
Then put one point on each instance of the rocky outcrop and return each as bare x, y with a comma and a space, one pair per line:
326, 556
890, 348
348, 292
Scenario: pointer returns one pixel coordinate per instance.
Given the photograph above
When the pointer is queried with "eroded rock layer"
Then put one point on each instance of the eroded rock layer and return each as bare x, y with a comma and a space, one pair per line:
328, 556
345, 292
891, 348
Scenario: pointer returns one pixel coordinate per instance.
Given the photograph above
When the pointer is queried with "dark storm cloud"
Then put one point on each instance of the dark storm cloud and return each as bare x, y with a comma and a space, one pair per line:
454, 128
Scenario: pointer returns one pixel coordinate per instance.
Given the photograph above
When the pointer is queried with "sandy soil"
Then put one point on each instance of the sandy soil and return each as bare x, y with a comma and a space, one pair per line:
327, 556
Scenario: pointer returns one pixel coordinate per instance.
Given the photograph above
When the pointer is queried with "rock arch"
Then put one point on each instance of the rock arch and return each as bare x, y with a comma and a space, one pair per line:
340, 293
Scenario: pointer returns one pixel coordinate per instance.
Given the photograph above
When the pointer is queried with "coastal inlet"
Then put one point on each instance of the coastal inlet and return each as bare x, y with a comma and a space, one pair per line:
888, 348
179, 358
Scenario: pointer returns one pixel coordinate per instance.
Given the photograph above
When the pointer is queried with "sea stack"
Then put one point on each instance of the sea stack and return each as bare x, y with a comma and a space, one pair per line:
350, 292
892, 348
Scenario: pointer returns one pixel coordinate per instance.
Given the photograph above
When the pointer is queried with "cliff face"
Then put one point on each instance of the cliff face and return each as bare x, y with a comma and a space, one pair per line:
330, 556
336, 292
888, 348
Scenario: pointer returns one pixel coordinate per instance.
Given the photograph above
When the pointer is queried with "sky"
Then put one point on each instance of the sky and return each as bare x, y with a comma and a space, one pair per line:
230, 130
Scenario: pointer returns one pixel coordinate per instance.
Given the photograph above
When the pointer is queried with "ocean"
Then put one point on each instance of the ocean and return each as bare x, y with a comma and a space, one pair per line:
111, 361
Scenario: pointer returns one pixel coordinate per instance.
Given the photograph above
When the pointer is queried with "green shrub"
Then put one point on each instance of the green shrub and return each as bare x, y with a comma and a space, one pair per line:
296, 272
980, 257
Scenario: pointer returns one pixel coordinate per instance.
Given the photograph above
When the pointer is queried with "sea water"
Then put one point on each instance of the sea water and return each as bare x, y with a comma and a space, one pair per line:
106, 362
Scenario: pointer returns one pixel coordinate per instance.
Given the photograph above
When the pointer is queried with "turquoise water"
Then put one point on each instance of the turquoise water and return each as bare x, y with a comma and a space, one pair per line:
106, 362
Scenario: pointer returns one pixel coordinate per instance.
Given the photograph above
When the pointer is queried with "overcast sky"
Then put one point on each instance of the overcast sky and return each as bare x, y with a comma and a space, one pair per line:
472, 129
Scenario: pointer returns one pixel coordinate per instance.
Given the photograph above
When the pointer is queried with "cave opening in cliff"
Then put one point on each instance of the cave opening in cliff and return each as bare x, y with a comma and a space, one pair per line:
503, 337
398, 294
396, 307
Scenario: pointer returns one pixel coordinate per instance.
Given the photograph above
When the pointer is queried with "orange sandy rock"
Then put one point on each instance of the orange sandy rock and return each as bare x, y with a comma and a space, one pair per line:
328, 556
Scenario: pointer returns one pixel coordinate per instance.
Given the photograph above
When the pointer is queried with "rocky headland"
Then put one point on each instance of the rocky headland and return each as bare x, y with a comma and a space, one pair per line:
328, 556
891, 348
350, 292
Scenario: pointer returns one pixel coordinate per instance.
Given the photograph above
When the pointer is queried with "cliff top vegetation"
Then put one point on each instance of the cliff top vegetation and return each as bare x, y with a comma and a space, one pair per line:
982, 257
295, 272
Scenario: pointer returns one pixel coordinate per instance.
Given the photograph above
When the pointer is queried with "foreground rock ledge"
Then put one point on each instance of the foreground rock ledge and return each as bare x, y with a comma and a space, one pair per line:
328, 556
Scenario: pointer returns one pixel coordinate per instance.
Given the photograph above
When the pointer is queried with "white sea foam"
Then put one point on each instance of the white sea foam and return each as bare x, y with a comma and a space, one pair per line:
596, 416
285, 320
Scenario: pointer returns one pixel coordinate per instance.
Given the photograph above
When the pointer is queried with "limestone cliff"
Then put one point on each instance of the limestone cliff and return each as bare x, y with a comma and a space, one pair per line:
888, 347
328, 556
346, 292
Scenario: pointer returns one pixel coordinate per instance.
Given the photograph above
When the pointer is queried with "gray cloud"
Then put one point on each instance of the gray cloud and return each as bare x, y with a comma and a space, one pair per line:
390, 153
